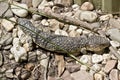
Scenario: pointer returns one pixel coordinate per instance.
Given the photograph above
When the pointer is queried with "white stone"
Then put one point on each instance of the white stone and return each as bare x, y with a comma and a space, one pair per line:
79, 31
96, 67
88, 16
106, 57
44, 61
35, 3
18, 52
36, 17
61, 32
75, 7
26, 46
97, 58
87, 6
98, 76
86, 32
7, 24
43, 4
14, 33
85, 59
45, 22
83, 67
21, 36
50, 3
115, 44
73, 33
16, 41
105, 17
72, 27
19, 11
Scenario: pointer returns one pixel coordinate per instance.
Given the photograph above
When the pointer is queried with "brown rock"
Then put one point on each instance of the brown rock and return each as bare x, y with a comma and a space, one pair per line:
110, 65
29, 66
87, 6
113, 74
82, 75
72, 67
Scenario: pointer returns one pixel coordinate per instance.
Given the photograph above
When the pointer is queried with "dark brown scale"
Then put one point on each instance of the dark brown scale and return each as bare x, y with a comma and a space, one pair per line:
62, 44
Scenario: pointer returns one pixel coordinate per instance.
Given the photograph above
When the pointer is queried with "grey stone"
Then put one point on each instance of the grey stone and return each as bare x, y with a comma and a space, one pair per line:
8, 13
114, 23
88, 16
3, 7
114, 34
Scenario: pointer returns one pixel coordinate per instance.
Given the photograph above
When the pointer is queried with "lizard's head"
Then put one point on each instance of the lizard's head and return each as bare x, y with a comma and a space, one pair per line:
97, 43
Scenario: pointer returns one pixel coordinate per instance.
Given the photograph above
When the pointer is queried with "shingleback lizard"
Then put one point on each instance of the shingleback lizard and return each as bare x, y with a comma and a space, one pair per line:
62, 44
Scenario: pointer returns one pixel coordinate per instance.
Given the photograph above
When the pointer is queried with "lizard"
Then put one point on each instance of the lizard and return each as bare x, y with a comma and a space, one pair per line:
60, 43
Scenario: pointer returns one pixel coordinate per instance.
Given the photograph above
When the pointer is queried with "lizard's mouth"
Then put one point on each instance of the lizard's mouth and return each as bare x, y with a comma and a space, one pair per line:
96, 48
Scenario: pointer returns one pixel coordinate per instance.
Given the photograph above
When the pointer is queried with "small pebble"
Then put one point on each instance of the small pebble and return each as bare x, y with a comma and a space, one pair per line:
18, 52
106, 57
97, 58
98, 76
45, 22
110, 65
87, 6
3, 7
114, 33
82, 75
61, 32
86, 59
25, 74
75, 7
35, 3
114, 74
9, 73
96, 67
44, 61
72, 27
88, 16
73, 33
28, 2
79, 31
54, 24
105, 17
83, 67
36, 17
86, 32
42, 4
115, 44
7, 24
19, 11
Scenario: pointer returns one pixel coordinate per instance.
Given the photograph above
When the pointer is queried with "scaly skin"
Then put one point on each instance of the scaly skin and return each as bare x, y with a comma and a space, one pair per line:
62, 44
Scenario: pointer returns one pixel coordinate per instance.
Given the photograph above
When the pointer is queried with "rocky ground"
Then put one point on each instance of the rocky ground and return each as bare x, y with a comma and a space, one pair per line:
22, 59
